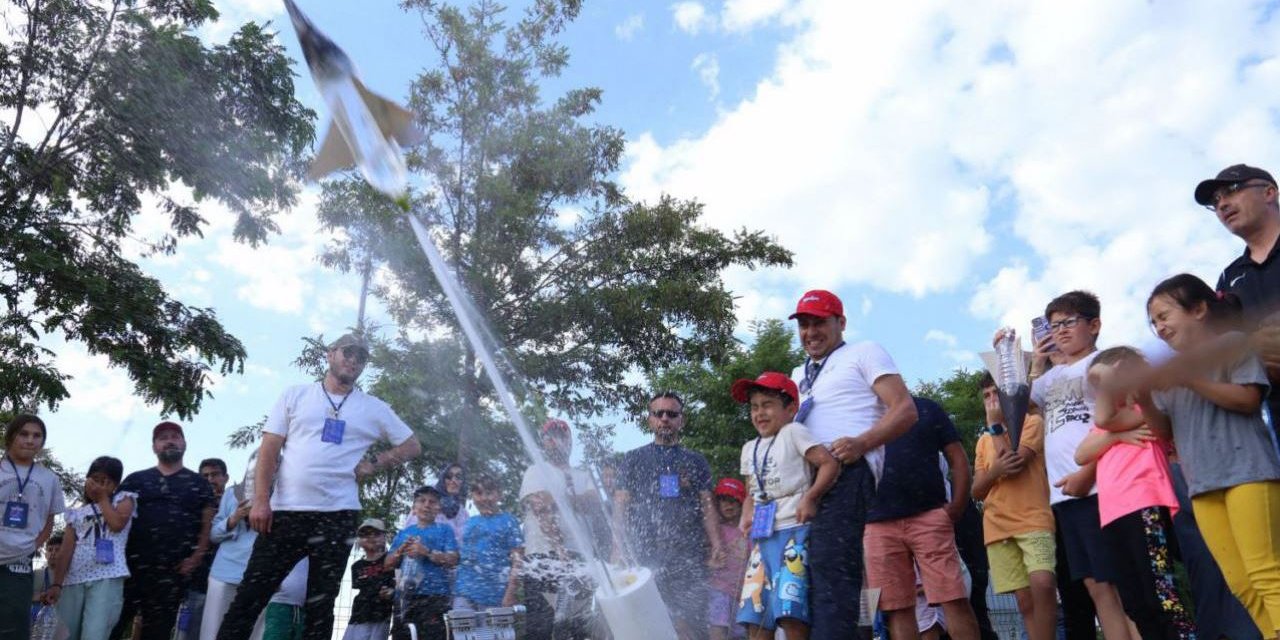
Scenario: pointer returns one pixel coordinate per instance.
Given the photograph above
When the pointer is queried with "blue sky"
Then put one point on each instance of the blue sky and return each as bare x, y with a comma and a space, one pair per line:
945, 167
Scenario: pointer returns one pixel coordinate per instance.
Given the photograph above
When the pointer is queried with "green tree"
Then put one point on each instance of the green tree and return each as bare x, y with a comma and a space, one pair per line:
110, 103
961, 398
583, 287
715, 424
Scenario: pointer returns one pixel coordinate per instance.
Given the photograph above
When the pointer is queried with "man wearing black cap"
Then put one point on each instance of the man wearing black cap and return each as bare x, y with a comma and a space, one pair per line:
312, 454
170, 535
1244, 200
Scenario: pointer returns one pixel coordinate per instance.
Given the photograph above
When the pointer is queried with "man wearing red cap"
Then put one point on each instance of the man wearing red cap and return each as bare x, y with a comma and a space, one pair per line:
854, 401
553, 554
170, 535
312, 455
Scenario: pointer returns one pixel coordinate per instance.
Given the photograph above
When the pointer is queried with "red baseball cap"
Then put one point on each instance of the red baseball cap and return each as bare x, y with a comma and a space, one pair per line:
167, 426
731, 487
819, 303
554, 424
741, 390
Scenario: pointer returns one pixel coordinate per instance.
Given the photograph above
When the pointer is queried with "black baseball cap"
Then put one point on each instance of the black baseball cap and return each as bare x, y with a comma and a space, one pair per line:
1231, 175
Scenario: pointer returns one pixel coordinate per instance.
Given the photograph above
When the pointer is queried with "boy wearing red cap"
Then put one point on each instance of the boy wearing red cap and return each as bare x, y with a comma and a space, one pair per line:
784, 492
726, 575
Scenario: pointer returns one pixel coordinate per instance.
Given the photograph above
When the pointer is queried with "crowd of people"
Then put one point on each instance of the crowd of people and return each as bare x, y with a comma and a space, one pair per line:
1139, 498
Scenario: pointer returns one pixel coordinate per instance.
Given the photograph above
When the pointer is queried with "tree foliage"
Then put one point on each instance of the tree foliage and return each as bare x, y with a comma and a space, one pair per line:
960, 397
108, 105
581, 286
715, 424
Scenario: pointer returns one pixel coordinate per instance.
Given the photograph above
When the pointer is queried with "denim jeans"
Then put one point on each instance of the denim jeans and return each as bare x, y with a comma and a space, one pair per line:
835, 553
90, 609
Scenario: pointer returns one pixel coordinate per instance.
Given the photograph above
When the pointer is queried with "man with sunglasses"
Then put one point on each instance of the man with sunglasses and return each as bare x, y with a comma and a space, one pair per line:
312, 455
1244, 200
663, 503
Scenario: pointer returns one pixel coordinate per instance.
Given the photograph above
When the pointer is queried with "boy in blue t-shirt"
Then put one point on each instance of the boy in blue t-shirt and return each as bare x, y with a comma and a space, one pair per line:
424, 551
491, 548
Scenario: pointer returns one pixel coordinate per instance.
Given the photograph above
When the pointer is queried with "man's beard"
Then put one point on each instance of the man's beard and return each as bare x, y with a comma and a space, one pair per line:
170, 455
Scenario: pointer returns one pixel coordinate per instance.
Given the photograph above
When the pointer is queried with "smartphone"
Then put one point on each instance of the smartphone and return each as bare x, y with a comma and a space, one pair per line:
1039, 330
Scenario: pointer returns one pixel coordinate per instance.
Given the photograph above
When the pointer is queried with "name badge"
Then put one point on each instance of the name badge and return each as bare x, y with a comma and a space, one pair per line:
805, 407
762, 520
333, 429
104, 551
669, 485
15, 514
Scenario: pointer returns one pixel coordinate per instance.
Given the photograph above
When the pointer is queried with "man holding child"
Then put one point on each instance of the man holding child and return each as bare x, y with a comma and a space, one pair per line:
853, 400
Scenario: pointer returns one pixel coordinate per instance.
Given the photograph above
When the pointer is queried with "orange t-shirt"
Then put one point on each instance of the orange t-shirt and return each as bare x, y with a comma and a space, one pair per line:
1019, 503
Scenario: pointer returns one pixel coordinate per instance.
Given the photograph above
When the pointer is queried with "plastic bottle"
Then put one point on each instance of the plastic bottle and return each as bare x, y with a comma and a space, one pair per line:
184, 617
46, 624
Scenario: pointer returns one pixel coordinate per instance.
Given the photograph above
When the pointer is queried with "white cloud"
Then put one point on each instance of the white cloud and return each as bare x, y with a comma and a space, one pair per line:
903, 142
627, 29
941, 337
950, 347
740, 15
691, 17
866, 306
708, 68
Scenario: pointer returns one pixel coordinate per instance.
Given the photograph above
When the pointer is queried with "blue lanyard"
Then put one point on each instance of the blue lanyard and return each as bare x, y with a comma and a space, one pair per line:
756, 466
813, 369
336, 407
22, 484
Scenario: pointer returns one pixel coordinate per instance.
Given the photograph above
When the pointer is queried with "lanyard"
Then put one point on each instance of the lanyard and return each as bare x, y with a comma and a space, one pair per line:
813, 369
336, 407
97, 522
755, 462
22, 484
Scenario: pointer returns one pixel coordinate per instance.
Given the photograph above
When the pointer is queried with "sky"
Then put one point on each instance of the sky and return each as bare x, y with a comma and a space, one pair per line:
946, 168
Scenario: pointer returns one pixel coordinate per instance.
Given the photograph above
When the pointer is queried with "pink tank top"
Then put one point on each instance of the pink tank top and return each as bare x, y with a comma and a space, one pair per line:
1133, 477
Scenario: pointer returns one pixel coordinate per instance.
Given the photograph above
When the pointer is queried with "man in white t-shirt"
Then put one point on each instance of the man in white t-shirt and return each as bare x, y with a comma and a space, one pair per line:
853, 400
313, 448
553, 551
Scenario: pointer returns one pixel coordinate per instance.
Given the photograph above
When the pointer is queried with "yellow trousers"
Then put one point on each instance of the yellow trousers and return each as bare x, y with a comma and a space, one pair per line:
1241, 526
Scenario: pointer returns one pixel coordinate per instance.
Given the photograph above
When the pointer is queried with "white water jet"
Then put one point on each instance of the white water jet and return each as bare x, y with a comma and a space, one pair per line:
628, 597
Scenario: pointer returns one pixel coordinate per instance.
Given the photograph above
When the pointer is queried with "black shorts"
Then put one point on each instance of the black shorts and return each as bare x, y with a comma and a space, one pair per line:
1088, 555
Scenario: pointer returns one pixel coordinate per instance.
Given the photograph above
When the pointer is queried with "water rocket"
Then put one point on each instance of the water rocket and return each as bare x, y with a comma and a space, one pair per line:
367, 131
1008, 365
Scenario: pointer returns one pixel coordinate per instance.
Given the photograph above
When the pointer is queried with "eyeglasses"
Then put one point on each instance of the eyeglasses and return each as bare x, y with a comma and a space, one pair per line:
1230, 189
358, 354
666, 413
1066, 323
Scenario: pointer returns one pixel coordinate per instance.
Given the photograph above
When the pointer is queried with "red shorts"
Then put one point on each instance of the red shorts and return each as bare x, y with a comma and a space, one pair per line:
928, 539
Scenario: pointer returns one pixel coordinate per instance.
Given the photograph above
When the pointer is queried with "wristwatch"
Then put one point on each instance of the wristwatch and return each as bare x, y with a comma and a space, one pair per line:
996, 429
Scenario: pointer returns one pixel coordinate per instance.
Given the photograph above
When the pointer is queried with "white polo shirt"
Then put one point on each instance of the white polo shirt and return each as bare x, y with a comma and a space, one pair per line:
844, 404
320, 476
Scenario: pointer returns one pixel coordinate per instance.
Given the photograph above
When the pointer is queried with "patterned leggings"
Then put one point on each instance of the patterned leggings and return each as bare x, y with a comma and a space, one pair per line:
1143, 547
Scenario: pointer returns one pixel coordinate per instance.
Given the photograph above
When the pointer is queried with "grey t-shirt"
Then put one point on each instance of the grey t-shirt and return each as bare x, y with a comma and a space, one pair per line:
43, 495
1221, 448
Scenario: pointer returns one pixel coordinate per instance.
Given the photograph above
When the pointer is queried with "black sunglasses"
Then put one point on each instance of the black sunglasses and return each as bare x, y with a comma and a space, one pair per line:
358, 354
666, 413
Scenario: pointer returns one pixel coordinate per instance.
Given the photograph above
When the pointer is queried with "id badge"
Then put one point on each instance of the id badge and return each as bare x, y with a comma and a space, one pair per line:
805, 407
15, 514
333, 429
104, 551
669, 485
762, 520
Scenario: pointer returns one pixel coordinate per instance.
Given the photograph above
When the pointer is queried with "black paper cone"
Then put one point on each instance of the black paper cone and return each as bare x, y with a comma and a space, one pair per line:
1014, 407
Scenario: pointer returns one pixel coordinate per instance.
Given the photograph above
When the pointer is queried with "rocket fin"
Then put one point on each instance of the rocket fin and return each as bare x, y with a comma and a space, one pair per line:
334, 155
395, 121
